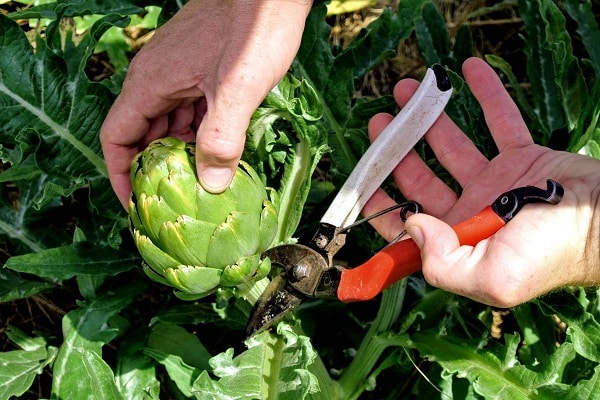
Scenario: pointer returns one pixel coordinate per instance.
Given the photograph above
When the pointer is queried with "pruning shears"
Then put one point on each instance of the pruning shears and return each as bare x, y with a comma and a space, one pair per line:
309, 270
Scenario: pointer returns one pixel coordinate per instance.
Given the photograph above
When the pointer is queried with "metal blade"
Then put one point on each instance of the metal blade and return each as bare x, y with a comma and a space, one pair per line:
275, 302
391, 146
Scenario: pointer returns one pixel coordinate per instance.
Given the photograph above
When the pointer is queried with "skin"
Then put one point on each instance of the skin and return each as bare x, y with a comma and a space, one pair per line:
205, 72
200, 78
545, 247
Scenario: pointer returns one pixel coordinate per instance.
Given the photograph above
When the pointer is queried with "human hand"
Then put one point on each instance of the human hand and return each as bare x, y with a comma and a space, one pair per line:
200, 78
543, 248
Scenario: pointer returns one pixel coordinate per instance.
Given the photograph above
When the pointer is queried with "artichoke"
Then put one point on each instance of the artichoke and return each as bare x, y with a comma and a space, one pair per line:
193, 240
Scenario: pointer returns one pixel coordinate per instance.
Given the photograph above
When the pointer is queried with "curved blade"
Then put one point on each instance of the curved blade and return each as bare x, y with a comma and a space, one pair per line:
391, 146
275, 302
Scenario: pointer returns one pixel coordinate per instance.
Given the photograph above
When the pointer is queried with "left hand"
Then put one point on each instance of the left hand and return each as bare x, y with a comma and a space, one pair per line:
543, 248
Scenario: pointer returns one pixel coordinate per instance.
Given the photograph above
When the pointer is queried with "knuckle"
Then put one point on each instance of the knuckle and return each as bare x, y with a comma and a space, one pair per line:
220, 148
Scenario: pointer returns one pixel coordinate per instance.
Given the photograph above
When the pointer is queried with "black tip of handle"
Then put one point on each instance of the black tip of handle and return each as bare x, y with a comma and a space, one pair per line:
442, 78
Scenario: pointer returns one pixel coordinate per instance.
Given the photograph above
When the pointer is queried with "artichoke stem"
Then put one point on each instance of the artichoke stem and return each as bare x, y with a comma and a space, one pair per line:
251, 291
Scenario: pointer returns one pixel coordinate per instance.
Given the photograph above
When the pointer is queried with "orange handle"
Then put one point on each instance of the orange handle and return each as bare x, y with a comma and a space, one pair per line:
404, 258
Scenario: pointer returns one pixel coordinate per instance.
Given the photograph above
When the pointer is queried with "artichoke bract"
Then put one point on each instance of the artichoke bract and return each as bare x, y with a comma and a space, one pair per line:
193, 240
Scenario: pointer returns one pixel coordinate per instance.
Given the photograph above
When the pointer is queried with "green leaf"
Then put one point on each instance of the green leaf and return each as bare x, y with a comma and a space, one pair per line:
286, 154
585, 138
568, 74
78, 258
175, 340
540, 69
587, 27
273, 367
72, 8
332, 76
60, 111
582, 328
433, 37
13, 287
538, 346
380, 39
135, 374
493, 371
20, 367
79, 367
586, 389
182, 374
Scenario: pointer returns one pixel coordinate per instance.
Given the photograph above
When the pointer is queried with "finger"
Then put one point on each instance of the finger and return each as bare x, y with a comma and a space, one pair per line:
442, 257
501, 113
221, 136
388, 225
452, 148
492, 272
118, 160
414, 178
120, 145
181, 122
448, 265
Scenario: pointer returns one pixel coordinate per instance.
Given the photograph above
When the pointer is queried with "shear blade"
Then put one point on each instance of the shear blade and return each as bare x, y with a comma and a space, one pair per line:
272, 306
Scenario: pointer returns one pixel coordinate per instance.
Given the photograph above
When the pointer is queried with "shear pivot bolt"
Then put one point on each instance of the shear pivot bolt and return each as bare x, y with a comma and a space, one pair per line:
301, 271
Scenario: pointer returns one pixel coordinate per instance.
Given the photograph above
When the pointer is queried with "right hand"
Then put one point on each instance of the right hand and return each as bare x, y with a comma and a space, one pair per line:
200, 78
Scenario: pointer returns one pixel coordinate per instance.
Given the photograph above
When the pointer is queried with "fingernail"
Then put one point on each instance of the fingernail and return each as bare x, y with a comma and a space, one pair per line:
215, 180
416, 234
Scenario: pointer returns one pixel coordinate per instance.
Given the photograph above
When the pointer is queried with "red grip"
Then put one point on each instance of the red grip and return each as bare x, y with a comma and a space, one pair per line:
404, 257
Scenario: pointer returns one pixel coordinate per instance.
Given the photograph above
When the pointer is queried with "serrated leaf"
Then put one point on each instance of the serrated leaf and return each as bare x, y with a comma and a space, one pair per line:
569, 77
433, 37
380, 39
587, 27
582, 327
61, 111
287, 156
540, 70
72, 8
494, 372
19, 222
332, 76
586, 389
273, 367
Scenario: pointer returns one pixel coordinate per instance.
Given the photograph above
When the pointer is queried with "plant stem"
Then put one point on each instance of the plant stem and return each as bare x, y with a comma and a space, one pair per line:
251, 290
330, 389
354, 378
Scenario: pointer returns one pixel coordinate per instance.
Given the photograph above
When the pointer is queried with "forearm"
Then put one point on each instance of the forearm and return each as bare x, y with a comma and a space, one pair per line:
592, 253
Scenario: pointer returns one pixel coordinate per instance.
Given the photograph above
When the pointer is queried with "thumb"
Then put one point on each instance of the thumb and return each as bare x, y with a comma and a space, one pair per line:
434, 237
219, 145
441, 253
446, 264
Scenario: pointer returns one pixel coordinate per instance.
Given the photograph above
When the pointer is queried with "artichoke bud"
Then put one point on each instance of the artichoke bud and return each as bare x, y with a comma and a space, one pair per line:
191, 239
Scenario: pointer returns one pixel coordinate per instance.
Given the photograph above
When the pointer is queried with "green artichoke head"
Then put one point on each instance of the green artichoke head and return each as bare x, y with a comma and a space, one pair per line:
191, 239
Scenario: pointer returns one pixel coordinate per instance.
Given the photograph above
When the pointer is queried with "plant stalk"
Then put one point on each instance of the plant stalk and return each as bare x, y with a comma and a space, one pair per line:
354, 379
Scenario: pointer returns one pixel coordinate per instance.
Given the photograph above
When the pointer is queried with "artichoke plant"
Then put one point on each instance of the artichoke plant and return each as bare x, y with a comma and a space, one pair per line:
193, 240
